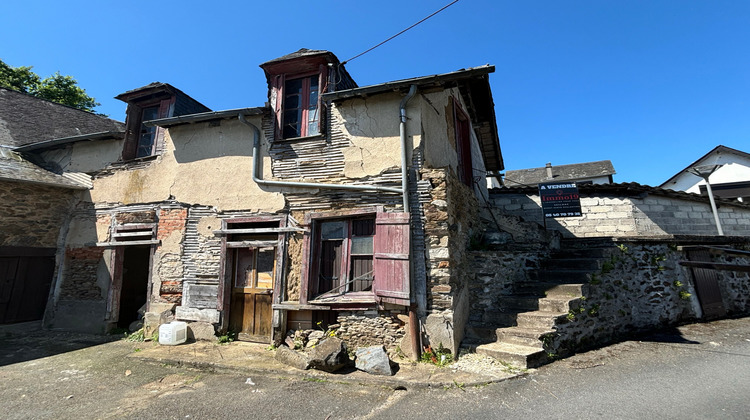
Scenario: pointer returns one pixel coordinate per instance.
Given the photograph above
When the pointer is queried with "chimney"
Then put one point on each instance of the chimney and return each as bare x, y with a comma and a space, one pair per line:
549, 170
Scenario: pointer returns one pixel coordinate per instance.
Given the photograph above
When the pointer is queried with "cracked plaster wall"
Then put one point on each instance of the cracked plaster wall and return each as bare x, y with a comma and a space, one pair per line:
372, 127
201, 165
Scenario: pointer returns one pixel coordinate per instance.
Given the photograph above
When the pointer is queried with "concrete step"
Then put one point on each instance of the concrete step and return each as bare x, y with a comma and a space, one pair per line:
499, 318
516, 355
540, 319
550, 289
531, 337
479, 334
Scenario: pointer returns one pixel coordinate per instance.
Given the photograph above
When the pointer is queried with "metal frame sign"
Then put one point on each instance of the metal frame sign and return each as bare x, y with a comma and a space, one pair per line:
560, 200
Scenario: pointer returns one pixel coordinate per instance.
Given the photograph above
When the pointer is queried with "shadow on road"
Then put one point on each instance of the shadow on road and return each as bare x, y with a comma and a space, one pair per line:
21, 343
667, 335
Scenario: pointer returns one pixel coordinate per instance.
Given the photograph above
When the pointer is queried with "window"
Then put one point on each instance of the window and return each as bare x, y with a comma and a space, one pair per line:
254, 267
344, 256
362, 257
301, 110
147, 135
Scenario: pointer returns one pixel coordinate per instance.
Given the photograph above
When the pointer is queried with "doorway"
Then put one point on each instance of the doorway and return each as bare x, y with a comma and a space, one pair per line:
253, 274
136, 262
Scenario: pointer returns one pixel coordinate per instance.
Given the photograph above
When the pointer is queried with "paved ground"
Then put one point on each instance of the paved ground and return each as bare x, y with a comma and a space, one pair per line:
696, 371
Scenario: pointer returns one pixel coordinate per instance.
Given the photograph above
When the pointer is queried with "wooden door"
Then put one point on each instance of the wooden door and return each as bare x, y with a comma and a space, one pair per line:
707, 286
24, 287
253, 274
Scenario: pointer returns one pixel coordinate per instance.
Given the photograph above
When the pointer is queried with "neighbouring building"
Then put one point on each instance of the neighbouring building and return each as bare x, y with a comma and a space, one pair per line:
730, 177
599, 172
333, 205
36, 201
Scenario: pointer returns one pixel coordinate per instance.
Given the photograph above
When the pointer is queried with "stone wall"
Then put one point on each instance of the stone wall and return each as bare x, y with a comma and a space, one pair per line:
451, 221
35, 216
639, 287
632, 216
734, 285
370, 328
81, 269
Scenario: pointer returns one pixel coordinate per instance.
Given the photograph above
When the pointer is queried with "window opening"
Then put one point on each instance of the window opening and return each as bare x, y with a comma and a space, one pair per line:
301, 115
147, 135
345, 256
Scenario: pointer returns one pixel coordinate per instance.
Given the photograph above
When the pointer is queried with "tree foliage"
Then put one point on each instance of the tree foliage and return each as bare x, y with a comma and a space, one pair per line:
56, 88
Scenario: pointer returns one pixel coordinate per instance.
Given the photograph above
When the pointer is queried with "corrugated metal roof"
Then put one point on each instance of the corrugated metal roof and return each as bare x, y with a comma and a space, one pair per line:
572, 172
13, 167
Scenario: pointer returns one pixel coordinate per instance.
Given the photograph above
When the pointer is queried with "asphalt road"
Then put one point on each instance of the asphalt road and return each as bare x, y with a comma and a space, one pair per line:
701, 371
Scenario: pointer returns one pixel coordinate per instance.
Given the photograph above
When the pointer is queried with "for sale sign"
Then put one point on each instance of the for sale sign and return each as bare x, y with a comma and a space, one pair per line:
560, 199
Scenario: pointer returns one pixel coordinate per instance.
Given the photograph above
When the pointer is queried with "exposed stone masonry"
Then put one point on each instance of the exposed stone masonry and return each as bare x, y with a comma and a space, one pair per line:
80, 274
369, 328
35, 218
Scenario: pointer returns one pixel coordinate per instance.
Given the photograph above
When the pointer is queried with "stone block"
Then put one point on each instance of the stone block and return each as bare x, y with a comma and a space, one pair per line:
329, 355
292, 358
373, 360
201, 331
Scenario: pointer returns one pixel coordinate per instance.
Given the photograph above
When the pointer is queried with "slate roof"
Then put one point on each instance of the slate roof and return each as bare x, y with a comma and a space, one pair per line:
572, 172
716, 150
15, 168
25, 119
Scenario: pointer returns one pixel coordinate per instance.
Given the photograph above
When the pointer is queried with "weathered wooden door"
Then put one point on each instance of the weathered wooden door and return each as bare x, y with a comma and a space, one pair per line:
253, 274
707, 286
24, 287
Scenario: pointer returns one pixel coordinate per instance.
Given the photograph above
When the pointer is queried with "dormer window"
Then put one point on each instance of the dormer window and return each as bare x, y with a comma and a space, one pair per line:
147, 138
295, 83
147, 103
301, 107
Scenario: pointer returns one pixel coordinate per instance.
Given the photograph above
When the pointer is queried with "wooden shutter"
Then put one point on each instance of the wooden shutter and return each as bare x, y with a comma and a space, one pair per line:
278, 87
391, 258
132, 131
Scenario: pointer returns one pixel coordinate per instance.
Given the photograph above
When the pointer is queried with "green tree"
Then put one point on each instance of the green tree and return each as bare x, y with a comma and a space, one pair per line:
56, 88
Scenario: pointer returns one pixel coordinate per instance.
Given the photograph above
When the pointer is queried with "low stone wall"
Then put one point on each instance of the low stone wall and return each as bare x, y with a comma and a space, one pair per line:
648, 215
638, 288
734, 285
369, 328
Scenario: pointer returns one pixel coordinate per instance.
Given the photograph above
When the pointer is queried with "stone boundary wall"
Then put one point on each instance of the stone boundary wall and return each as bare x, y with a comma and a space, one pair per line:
639, 287
646, 216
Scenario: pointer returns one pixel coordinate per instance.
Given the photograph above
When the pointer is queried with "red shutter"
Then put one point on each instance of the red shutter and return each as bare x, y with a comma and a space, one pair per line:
391, 258
278, 88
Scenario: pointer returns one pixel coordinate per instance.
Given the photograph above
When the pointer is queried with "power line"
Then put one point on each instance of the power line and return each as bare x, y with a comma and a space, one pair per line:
433, 14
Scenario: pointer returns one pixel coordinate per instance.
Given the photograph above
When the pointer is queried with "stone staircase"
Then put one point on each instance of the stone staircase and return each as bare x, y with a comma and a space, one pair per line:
525, 325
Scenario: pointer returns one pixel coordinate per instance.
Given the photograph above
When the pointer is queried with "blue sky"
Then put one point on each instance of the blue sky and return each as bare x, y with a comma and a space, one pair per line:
651, 85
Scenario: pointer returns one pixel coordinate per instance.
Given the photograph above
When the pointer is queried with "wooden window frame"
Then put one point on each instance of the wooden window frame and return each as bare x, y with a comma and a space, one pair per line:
384, 289
279, 85
134, 125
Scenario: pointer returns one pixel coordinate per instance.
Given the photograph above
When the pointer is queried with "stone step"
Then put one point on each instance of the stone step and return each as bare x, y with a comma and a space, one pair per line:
589, 264
560, 275
558, 304
522, 336
540, 319
518, 303
549, 290
499, 318
516, 355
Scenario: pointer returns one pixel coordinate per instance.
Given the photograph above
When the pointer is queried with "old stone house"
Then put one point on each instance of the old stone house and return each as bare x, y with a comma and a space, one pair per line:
332, 205
34, 201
